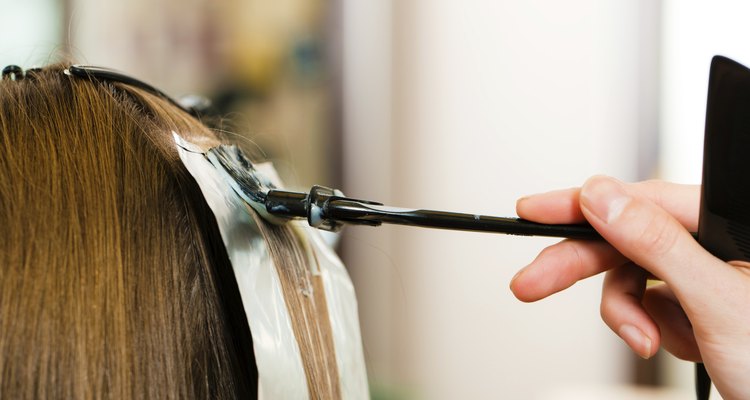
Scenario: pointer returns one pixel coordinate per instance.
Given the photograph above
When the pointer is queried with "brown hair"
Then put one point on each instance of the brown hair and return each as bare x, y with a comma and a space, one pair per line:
114, 281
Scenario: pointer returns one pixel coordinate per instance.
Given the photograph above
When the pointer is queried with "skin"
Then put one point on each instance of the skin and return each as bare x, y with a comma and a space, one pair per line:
700, 309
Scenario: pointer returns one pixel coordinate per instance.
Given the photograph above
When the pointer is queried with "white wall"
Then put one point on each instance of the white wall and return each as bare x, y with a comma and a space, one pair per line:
491, 100
30, 32
693, 32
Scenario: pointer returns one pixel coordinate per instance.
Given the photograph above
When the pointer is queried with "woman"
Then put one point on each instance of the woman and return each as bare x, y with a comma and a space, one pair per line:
114, 279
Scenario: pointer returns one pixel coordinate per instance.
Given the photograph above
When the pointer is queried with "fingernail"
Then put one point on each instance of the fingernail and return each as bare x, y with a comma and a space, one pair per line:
636, 339
605, 198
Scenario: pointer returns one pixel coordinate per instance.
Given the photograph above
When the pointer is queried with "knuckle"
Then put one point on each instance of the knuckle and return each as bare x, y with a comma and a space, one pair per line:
606, 309
547, 252
571, 266
658, 237
576, 262
608, 305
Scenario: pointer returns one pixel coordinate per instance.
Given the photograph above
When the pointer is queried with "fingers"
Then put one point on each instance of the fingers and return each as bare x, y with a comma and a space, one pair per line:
680, 201
622, 311
647, 223
677, 335
556, 207
561, 265
648, 235
562, 206
646, 318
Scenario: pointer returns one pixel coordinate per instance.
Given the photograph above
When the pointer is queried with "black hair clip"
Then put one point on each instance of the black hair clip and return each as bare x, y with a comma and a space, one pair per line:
191, 106
32, 73
13, 73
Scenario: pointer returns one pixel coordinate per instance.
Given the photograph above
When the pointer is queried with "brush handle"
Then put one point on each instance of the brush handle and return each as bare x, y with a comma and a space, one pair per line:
355, 212
325, 209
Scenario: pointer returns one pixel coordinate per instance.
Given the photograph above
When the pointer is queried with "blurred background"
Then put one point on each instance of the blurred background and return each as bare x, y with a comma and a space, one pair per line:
439, 104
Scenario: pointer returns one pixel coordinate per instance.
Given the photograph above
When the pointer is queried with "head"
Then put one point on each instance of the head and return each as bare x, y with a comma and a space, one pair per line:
114, 281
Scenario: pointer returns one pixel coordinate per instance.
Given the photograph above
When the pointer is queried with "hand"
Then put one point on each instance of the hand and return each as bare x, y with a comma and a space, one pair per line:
701, 311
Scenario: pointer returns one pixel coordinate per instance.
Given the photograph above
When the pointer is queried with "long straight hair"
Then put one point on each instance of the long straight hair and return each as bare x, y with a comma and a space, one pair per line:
114, 281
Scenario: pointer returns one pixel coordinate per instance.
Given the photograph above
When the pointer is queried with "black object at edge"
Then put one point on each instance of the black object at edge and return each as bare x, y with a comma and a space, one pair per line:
724, 219
702, 382
110, 75
13, 72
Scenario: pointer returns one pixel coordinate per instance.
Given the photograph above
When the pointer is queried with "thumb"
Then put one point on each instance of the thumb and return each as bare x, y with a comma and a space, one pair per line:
648, 235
